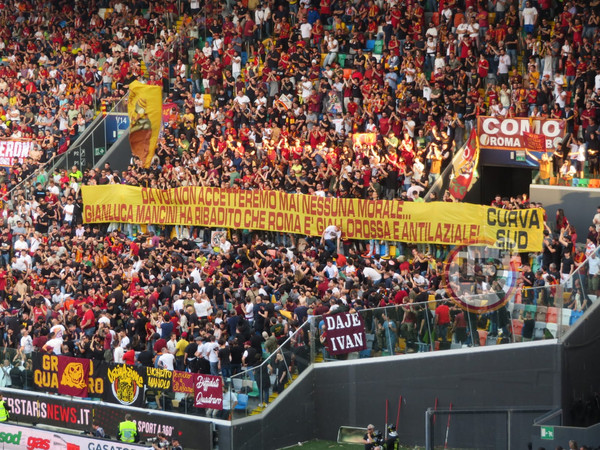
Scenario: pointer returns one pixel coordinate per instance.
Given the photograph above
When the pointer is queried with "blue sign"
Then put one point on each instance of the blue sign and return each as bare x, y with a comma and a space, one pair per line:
116, 125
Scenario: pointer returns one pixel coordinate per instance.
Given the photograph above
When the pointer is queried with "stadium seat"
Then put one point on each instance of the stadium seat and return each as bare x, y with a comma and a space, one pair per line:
254, 392
575, 315
518, 308
584, 182
342, 59
552, 315
378, 48
594, 183
552, 328
423, 347
348, 73
553, 181
209, 39
370, 45
237, 384
538, 331
242, 402
244, 58
483, 334
566, 316
575, 182
458, 18
541, 313
530, 309
517, 327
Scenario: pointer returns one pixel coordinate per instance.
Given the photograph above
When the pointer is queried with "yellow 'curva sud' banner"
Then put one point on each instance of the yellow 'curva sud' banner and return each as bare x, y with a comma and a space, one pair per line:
436, 223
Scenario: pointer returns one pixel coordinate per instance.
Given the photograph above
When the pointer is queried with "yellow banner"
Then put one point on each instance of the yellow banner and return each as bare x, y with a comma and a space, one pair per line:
145, 115
435, 223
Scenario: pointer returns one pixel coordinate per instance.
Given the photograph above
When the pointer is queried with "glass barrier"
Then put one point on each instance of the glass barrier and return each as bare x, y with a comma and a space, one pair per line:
16, 369
258, 385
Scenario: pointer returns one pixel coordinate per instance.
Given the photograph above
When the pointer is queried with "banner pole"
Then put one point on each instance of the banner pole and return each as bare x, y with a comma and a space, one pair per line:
398, 415
386, 416
448, 427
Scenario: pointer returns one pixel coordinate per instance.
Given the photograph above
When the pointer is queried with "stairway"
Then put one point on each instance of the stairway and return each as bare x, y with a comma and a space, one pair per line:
259, 409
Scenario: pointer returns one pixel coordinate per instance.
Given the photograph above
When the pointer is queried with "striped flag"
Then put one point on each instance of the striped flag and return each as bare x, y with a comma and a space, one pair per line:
464, 174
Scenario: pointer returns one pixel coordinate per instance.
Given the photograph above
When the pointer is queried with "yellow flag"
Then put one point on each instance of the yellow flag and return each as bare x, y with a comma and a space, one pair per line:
145, 116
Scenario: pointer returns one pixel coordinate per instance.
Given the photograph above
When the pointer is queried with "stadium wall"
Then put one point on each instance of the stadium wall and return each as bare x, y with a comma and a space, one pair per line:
579, 204
354, 393
581, 372
119, 154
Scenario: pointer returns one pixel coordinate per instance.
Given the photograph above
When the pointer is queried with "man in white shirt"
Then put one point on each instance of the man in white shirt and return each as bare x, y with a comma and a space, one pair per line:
124, 339
178, 303
594, 272
330, 270
331, 239
166, 360
202, 307
529, 18
53, 344
503, 67
241, 99
332, 50
213, 356
306, 31
57, 328
371, 272
225, 245
26, 342
596, 219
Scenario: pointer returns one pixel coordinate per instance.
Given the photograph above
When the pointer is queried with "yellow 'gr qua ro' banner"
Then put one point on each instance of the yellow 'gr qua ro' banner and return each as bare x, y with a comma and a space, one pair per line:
390, 220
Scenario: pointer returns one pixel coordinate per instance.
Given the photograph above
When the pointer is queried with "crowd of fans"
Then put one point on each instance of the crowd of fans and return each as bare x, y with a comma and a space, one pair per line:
62, 62
269, 96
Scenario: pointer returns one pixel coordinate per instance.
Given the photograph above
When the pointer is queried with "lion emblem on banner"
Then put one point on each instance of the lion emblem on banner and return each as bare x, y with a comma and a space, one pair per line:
74, 376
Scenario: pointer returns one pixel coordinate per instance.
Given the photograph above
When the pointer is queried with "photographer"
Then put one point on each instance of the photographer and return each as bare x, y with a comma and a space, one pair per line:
161, 441
96, 430
372, 439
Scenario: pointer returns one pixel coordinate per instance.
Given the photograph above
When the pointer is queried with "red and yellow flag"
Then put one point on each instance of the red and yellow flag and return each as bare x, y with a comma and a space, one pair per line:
364, 138
145, 114
465, 168
534, 142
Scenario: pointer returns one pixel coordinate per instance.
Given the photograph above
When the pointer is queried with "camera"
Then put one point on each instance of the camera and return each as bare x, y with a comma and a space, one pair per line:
378, 437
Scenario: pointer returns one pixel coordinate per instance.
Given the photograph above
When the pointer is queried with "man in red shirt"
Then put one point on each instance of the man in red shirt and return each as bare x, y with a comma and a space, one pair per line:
442, 320
88, 322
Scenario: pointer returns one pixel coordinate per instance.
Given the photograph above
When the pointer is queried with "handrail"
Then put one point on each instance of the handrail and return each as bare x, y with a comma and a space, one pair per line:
35, 173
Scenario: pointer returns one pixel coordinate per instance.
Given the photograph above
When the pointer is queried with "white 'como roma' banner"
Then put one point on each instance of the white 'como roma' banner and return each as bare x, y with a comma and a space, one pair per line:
507, 133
